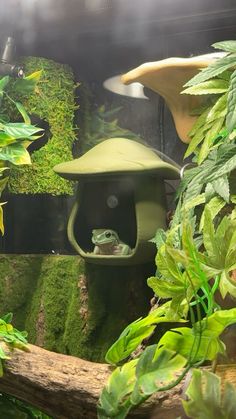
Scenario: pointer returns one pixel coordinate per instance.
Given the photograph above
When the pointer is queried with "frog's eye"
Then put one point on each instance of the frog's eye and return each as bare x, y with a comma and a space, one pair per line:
108, 234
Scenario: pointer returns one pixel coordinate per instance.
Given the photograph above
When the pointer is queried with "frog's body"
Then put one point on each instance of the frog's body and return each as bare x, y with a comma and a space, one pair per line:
107, 242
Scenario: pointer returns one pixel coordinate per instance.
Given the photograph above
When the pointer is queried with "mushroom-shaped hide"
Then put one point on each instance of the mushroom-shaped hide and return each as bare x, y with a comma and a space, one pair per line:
121, 189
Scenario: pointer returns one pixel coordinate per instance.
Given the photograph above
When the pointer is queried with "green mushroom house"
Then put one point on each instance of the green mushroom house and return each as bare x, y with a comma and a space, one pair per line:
121, 200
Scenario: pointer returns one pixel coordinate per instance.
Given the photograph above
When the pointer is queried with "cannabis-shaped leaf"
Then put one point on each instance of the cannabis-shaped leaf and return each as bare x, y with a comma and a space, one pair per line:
220, 246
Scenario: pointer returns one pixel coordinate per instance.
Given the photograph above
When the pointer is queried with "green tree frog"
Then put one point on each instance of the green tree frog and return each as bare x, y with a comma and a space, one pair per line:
107, 242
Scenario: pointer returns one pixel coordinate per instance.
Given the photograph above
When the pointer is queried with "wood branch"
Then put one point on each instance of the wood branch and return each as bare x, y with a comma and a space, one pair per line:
66, 387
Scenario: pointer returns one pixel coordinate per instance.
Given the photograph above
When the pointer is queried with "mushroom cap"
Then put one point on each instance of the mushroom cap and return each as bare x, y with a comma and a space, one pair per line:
117, 156
167, 78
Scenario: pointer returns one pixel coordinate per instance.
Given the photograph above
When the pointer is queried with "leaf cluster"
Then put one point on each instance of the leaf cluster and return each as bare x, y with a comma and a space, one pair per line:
218, 82
207, 400
15, 136
12, 337
195, 260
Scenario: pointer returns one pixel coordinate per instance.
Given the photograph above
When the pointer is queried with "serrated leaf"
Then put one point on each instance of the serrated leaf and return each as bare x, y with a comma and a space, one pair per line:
213, 206
208, 142
219, 109
221, 186
197, 200
226, 162
210, 87
228, 46
213, 70
231, 104
209, 192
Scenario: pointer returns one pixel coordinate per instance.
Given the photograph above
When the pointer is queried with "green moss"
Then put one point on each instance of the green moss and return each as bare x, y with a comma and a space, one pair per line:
68, 307
49, 306
52, 101
18, 282
115, 297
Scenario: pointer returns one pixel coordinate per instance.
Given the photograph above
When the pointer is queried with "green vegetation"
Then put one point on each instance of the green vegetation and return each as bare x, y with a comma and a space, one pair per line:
206, 398
12, 408
53, 102
70, 307
15, 137
196, 263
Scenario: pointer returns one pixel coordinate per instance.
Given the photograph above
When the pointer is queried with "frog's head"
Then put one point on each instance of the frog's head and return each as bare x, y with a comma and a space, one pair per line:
104, 236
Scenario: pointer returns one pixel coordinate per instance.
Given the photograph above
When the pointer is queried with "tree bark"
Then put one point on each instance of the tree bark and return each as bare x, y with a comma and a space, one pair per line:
67, 387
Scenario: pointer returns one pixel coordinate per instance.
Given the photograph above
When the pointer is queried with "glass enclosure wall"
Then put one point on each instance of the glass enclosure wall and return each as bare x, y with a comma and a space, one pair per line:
101, 39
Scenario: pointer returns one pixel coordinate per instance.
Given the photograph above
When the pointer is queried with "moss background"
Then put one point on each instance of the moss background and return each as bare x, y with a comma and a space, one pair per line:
71, 307
54, 102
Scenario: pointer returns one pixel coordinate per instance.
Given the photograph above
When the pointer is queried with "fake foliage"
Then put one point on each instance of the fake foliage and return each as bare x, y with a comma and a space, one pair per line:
196, 262
15, 137
12, 337
206, 400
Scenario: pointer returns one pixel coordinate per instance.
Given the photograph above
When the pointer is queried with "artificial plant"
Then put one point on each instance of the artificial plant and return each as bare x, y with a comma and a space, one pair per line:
14, 140
15, 137
196, 260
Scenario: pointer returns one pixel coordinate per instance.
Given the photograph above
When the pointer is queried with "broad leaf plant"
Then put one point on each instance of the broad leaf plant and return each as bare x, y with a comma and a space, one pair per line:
196, 268
15, 136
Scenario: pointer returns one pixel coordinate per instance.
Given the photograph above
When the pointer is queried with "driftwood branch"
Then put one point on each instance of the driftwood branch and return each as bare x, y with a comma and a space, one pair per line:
66, 387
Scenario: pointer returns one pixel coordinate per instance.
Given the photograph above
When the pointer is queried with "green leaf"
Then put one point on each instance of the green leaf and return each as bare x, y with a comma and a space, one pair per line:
226, 162
209, 87
201, 342
206, 400
160, 238
219, 109
16, 154
231, 111
213, 70
155, 369
221, 186
135, 333
3, 354
197, 200
23, 112
3, 83
19, 130
8, 317
210, 136
6, 139
213, 208
114, 401
228, 46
